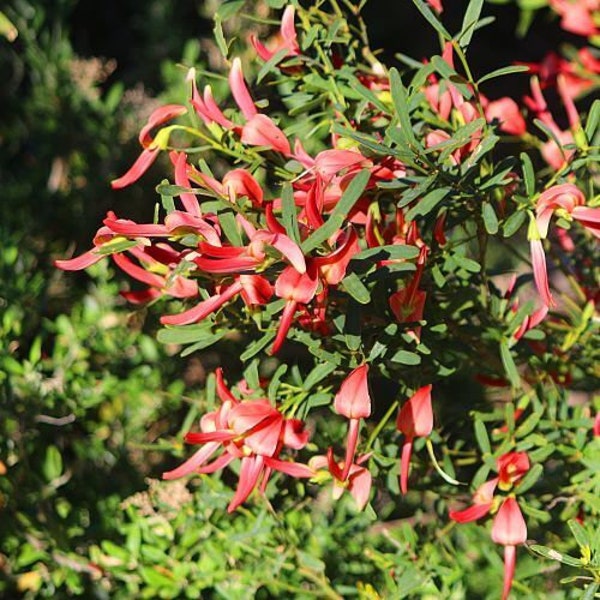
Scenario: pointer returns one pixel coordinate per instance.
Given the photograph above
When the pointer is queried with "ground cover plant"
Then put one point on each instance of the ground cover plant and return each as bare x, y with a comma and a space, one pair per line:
386, 283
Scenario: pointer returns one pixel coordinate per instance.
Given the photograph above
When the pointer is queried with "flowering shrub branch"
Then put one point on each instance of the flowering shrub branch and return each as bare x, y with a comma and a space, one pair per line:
374, 222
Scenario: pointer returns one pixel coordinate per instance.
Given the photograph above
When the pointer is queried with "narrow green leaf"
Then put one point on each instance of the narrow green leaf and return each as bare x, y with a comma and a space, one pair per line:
481, 435
276, 381
220, 37
530, 478
503, 71
116, 245
528, 174
319, 373
555, 555
271, 64
184, 334
389, 252
427, 203
207, 342
424, 9
510, 368
289, 216
490, 220
229, 9
337, 218
550, 134
230, 227
590, 591
593, 118
255, 347
356, 288
400, 100
470, 19
166, 199
580, 533
448, 73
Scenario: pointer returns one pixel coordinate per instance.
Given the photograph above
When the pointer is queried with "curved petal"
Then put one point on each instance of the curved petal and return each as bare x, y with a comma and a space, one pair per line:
473, 513
139, 167
194, 462
83, 261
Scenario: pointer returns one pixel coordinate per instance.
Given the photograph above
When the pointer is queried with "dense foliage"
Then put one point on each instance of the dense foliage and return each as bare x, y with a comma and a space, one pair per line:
354, 277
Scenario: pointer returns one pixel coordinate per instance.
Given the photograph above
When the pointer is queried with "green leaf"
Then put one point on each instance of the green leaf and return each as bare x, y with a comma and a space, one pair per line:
255, 347
528, 174
490, 220
510, 368
427, 203
555, 555
470, 19
230, 227
204, 343
116, 245
590, 591
550, 134
356, 288
448, 73
184, 334
503, 71
155, 579
229, 9
513, 223
400, 99
337, 218
317, 374
404, 357
276, 381
53, 464
289, 216
388, 252
271, 64
592, 120
166, 199
580, 533
481, 435
530, 478
220, 37
432, 19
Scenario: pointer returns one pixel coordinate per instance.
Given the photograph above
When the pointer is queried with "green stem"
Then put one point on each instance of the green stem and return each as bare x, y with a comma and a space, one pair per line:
391, 410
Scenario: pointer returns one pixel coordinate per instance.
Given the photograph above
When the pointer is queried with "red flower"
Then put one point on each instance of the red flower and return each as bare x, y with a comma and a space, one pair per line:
252, 431
509, 529
353, 401
151, 146
287, 39
358, 480
415, 419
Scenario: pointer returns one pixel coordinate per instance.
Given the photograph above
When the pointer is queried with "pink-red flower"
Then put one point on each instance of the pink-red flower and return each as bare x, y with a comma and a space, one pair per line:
357, 481
353, 401
568, 201
250, 430
286, 40
578, 16
415, 419
151, 146
509, 529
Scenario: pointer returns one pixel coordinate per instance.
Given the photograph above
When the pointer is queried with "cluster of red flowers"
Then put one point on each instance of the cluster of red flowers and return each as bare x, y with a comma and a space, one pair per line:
228, 244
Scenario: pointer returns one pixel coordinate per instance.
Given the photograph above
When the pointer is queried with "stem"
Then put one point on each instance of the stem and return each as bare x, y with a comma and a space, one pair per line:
391, 410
